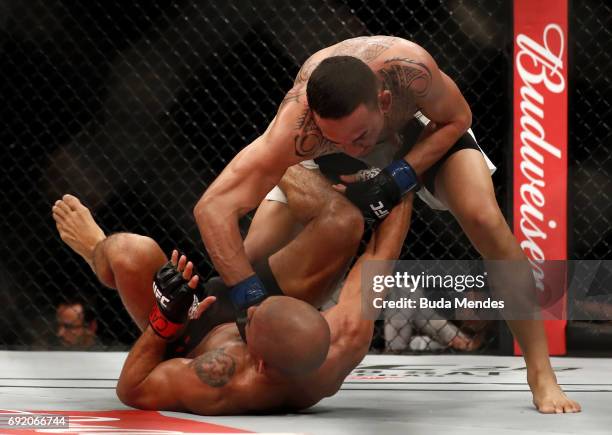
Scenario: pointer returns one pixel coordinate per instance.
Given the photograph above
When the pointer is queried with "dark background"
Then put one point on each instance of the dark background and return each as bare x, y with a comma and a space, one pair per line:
136, 106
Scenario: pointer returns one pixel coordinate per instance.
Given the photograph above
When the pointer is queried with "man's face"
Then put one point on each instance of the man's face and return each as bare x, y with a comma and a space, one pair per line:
357, 133
71, 327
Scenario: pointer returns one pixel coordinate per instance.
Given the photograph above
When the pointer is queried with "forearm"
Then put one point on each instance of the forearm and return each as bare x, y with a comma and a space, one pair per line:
434, 142
220, 233
239, 189
384, 246
146, 354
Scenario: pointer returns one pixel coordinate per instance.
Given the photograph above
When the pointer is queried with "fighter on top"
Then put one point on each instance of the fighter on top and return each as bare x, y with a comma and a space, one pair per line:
365, 98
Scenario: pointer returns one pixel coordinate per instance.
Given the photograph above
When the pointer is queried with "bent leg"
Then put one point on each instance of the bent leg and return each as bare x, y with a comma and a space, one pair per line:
273, 226
312, 263
128, 262
123, 261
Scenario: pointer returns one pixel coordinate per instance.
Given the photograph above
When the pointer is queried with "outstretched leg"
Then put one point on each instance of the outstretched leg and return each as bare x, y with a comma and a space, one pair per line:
123, 261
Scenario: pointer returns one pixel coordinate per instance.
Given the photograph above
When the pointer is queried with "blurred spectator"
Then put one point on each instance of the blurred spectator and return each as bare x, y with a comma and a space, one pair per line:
418, 334
76, 325
427, 329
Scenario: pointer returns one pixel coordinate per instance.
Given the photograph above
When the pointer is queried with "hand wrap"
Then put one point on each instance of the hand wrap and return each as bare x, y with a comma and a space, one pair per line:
245, 294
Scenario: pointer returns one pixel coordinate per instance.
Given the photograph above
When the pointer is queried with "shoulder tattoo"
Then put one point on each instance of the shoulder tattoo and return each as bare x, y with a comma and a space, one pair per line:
401, 74
293, 96
308, 140
305, 71
366, 48
214, 368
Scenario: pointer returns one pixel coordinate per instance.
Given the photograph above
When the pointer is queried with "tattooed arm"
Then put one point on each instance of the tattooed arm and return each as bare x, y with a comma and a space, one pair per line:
418, 80
179, 384
291, 137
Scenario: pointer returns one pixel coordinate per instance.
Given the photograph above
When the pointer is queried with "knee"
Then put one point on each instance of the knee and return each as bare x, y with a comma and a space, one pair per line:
484, 218
345, 220
131, 253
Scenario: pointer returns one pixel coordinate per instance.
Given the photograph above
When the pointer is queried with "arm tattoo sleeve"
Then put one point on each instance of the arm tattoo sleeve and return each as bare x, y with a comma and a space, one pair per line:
214, 368
401, 75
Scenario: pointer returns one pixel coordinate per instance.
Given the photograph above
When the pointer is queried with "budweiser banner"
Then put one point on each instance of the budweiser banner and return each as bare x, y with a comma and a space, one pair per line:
540, 138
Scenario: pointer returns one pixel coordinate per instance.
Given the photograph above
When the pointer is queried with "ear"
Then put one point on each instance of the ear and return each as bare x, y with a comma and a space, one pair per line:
384, 100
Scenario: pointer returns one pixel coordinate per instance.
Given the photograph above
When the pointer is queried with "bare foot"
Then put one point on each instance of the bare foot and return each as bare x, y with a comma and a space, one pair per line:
77, 227
549, 398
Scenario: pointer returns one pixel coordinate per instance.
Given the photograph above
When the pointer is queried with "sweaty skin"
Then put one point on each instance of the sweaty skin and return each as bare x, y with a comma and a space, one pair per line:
411, 81
221, 375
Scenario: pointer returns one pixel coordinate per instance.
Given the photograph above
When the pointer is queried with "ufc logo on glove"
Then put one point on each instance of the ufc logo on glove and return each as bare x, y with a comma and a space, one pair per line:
379, 210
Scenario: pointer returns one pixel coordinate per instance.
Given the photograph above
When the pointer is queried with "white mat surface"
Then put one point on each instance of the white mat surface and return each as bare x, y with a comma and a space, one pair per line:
385, 395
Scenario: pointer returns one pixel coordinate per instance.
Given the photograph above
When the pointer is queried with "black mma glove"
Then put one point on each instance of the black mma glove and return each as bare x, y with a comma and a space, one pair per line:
376, 196
174, 302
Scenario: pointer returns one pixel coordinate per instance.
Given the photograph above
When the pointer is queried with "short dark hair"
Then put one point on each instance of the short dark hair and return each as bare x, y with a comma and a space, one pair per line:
339, 84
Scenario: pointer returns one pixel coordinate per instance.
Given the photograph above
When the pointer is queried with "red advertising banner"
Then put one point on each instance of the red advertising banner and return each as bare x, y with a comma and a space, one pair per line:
540, 138
134, 422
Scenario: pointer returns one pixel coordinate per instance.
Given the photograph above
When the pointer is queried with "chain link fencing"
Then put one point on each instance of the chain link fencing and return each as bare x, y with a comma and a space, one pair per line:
136, 107
590, 161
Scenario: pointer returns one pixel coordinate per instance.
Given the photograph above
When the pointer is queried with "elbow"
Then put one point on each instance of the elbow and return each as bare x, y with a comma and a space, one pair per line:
125, 395
131, 397
203, 208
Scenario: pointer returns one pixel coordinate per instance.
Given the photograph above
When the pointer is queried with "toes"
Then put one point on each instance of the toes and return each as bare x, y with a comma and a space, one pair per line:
72, 201
546, 409
61, 205
58, 213
572, 407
